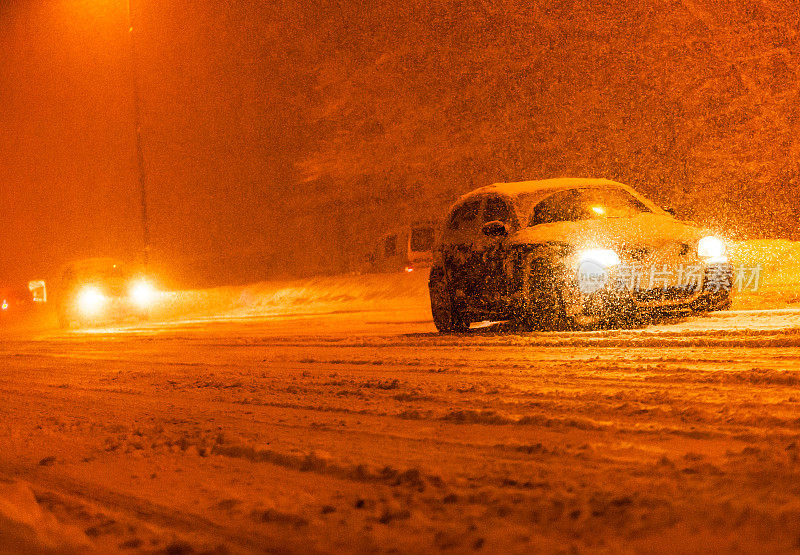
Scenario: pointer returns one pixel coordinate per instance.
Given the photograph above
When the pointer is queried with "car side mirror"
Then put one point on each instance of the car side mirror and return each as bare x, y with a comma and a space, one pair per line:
670, 210
495, 228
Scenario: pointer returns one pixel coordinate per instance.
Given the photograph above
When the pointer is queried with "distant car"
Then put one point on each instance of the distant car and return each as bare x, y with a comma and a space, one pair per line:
570, 251
102, 290
407, 248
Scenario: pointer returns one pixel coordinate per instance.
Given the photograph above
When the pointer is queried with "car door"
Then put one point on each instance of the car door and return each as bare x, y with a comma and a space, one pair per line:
459, 248
493, 250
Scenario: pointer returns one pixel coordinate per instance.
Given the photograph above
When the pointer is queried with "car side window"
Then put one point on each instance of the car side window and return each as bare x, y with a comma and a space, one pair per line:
497, 209
464, 214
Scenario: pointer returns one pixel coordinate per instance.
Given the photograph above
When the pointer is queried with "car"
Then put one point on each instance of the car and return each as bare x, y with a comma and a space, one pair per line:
571, 252
102, 290
405, 249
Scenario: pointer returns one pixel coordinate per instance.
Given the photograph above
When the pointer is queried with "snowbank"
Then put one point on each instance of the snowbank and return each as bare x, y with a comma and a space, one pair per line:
779, 263
778, 258
405, 291
26, 527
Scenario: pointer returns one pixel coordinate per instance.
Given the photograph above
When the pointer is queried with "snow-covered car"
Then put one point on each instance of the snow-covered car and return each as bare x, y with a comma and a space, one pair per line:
102, 290
571, 251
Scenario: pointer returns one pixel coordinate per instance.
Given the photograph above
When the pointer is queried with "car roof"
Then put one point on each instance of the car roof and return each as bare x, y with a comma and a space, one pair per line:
547, 186
544, 188
520, 187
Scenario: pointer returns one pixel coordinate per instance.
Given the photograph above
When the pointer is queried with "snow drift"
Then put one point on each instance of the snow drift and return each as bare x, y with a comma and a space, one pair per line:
26, 527
351, 293
778, 261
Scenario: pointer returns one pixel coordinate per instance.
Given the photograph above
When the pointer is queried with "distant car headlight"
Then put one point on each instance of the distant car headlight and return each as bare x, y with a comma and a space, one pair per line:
711, 248
90, 300
603, 257
142, 293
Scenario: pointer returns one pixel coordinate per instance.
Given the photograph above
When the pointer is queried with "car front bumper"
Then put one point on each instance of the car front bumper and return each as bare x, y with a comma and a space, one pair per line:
711, 288
112, 310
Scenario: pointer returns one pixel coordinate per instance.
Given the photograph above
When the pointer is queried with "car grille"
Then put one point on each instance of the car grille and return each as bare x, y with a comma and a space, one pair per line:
664, 294
716, 279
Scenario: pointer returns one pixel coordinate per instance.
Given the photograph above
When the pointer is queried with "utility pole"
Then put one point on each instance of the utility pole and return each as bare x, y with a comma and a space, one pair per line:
137, 118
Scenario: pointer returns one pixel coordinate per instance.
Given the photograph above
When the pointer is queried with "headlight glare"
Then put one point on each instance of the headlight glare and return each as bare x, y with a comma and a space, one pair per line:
711, 248
90, 300
603, 257
142, 293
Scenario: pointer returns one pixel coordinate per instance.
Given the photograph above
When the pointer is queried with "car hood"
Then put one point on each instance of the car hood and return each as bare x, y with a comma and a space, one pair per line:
651, 230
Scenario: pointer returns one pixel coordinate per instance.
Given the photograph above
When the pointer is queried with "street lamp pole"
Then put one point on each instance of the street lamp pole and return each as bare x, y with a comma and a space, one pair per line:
137, 116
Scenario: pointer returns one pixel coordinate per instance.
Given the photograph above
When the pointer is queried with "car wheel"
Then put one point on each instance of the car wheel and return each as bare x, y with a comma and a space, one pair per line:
721, 301
446, 316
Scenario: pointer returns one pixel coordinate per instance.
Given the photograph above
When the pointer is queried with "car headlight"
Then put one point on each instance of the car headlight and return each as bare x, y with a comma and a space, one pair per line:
711, 248
142, 293
90, 300
602, 257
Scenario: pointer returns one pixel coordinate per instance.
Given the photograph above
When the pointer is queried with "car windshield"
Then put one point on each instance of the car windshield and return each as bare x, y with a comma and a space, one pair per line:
587, 204
98, 272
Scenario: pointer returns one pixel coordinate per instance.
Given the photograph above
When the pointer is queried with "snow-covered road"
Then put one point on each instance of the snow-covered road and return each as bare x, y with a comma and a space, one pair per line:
364, 430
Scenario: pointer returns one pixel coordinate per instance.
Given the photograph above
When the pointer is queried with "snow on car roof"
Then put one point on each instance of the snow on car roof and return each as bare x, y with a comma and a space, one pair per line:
526, 194
544, 187
520, 187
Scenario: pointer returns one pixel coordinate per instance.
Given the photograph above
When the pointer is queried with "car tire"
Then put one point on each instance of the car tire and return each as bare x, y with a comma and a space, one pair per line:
721, 302
446, 316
